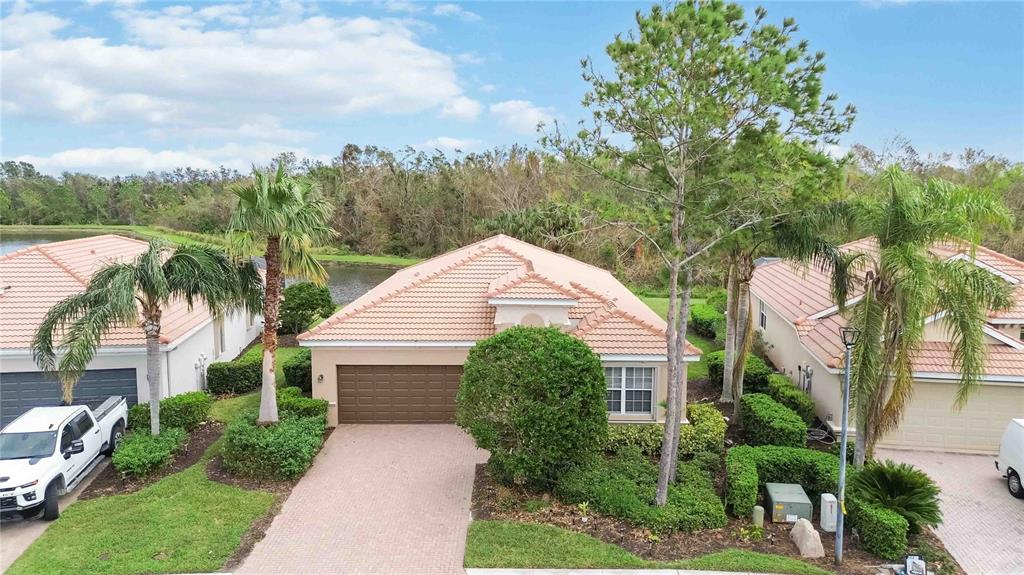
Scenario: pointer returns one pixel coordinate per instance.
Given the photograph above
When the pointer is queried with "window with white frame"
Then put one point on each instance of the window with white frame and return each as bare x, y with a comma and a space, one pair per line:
630, 390
762, 316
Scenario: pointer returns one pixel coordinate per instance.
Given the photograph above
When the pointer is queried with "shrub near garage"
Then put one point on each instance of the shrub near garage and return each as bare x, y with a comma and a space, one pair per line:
535, 398
298, 370
748, 468
764, 421
883, 532
235, 377
185, 410
755, 374
783, 391
291, 401
282, 451
902, 488
704, 434
141, 453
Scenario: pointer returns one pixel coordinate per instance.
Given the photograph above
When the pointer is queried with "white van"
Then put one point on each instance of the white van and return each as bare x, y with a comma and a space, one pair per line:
1011, 457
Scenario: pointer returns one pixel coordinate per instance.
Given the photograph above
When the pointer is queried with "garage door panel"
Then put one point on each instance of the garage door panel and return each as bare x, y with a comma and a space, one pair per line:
21, 391
397, 393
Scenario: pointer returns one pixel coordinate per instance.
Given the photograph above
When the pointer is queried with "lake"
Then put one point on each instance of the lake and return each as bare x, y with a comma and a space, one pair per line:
346, 281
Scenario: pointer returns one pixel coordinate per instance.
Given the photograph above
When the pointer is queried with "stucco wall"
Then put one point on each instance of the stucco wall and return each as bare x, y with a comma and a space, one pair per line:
506, 316
786, 353
326, 360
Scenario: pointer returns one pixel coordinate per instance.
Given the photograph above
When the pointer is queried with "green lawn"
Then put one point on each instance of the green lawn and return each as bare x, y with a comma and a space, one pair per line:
226, 410
697, 370
526, 545
178, 237
183, 523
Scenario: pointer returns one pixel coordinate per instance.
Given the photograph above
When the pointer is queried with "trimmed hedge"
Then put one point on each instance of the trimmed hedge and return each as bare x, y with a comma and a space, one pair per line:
784, 392
718, 299
764, 421
705, 320
235, 377
704, 434
141, 453
290, 401
748, 468
755, 375
185, 410
624, 486
535, 398
298, 370
883, 532
282, 451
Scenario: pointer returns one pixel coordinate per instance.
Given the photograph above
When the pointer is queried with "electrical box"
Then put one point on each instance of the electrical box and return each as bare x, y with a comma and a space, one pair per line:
788, 502
829, 512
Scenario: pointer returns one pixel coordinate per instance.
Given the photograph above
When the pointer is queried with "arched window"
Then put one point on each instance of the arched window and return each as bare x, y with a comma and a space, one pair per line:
532, 320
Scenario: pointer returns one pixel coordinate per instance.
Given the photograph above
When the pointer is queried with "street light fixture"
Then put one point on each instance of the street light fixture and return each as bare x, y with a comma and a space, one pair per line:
849, 336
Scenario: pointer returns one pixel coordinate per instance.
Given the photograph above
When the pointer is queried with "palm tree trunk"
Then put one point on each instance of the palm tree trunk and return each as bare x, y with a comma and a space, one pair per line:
151, 327
271, 305
731, 326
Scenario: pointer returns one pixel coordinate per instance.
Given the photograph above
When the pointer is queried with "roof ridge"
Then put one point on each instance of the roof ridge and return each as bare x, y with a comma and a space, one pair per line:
561, 255
529, 276
334, 320
62, 265
21, 252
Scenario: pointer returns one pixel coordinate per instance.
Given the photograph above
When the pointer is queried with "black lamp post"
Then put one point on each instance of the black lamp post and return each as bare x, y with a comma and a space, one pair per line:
849, 336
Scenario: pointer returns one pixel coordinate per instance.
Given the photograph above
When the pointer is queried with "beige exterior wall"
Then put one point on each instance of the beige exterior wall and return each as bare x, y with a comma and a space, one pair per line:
506, 316
931, 421
784, 350
939, 330
326, 360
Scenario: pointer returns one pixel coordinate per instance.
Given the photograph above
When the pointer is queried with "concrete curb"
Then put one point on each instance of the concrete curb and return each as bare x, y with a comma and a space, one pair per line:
475, 571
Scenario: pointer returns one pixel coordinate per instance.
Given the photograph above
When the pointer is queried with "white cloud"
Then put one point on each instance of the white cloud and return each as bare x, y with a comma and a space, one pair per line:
132, 160
449, 144
455, 11
488, 88
461, 108
402, 6
469, 58
521, 115
218, 65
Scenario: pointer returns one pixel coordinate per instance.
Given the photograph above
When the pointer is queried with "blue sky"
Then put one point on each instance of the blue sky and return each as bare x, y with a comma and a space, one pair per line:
116, 87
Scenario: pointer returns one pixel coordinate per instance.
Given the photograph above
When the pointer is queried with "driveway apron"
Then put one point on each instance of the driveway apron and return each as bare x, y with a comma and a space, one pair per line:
982, 524
378, 499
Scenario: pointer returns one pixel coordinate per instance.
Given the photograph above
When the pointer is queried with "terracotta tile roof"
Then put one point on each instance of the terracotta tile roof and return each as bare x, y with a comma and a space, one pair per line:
35, 278
445, 299
798, 293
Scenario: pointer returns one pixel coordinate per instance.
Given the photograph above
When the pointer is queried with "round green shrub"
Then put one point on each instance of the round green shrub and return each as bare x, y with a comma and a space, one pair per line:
755, 373
185, 410
706, 321
902, 488
298, 370
303, 302
141, 453
718, 299
535, 398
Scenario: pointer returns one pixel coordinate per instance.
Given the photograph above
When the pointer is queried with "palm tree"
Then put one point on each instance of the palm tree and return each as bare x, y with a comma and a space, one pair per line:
137, 293
899, 284
283, 216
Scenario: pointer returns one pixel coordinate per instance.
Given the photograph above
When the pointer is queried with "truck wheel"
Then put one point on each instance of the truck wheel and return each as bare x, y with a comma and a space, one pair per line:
1013, 484
116, 435
51, 509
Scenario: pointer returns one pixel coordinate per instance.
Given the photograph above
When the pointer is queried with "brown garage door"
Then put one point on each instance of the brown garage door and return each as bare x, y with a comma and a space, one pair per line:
397, 393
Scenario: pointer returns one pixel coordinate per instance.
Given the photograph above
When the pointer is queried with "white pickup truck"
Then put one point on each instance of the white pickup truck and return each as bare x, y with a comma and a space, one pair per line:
47, 451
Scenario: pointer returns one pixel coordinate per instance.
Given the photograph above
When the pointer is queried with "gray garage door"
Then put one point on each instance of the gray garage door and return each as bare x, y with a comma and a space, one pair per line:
21, 391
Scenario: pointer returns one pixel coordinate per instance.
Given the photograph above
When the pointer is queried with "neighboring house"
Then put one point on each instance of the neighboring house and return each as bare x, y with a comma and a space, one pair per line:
796, 317
35, 278
395, 355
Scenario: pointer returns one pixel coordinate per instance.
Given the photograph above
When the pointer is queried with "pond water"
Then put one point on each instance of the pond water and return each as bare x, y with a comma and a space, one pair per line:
346, 281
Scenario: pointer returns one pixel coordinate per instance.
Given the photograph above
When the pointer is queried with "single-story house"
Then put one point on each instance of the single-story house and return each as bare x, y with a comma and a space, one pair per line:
35, 278
799, 323
395, 354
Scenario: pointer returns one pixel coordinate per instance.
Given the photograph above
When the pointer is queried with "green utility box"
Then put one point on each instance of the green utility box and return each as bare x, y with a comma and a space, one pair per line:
788, 502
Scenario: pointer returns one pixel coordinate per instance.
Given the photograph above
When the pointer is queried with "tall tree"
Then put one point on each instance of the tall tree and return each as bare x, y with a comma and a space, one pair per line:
898, 284
137, 293
686, 84
285, 218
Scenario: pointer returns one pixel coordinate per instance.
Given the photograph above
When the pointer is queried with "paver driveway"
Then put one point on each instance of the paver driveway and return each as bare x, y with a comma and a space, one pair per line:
378, 499
982, 525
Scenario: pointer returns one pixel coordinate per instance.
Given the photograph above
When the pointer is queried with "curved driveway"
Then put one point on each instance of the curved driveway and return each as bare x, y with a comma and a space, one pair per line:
379, 499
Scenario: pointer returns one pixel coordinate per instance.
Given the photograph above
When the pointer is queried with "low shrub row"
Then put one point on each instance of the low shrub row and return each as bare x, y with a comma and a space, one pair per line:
141, 453
705, 320
236, 377
748, 468
185, 410
764, 421
624, 485
704, 434
290, 401
281, 451
883, 532
782, 390
298, 371
755, 374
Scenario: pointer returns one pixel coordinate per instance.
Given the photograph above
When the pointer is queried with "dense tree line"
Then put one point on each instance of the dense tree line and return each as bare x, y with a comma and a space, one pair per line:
418, 203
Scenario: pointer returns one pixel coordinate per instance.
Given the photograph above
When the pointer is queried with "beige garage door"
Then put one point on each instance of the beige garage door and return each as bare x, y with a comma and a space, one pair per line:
932, 423
397, 393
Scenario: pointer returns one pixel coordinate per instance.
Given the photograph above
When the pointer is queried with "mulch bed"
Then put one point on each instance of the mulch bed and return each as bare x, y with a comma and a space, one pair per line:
493, 501
110, 481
